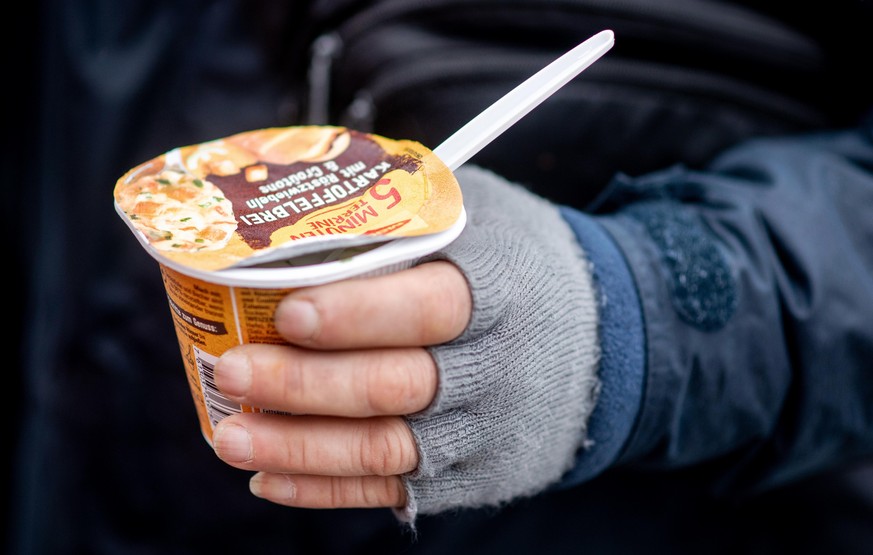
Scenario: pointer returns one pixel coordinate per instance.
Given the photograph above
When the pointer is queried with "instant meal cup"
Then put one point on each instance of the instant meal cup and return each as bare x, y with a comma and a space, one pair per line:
237, 223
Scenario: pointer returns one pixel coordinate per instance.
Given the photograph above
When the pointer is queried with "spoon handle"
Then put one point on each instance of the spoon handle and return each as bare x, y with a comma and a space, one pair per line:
497, 118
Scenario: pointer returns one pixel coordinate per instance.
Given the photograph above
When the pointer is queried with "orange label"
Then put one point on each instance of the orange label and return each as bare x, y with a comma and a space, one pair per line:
209, 320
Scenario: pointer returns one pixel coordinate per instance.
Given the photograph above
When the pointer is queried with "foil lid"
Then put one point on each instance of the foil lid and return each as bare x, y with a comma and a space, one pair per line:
277, 194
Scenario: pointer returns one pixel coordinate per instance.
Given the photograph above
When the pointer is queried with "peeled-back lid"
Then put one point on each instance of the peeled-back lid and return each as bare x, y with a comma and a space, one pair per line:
279, 193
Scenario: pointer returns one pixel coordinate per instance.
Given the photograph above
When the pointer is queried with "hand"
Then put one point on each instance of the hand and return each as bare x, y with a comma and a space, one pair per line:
356, 364
465, 382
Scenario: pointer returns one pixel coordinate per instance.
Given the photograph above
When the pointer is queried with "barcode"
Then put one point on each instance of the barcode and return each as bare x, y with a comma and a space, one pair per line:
217, 405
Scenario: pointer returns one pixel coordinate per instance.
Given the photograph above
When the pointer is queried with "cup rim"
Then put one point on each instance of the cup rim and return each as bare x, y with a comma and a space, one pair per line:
393, 252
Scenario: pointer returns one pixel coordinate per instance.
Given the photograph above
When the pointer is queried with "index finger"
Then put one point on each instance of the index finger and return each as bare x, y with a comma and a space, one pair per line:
425, 305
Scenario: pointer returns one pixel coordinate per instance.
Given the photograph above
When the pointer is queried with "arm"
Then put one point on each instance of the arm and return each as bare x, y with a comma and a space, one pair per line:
717, 310
759, 345
428, 388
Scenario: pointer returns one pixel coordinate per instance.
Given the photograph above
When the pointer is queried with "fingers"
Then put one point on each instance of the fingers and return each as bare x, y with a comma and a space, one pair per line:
346, 383
425, 305
321, 446
348, 459
329, 492
362, 366
319, 462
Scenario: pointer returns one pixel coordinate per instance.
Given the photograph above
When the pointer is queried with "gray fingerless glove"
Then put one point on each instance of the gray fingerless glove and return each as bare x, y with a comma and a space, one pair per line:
516, 389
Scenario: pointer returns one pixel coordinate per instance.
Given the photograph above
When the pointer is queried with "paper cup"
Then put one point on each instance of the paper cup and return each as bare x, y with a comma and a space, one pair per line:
214, 311
237, 223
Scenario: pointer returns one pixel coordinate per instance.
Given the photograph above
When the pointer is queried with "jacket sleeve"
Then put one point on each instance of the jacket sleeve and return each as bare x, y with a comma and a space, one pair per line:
752, 286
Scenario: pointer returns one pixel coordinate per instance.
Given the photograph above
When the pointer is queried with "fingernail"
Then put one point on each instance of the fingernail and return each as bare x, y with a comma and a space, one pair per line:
233, 374
296, 319
232, 443
273, 486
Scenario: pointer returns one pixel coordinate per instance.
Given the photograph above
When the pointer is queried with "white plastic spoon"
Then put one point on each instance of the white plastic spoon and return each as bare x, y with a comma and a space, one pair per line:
454, 151
497, 118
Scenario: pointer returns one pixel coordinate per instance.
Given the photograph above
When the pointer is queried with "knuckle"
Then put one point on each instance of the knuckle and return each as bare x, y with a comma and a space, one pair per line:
399, 385
445, 305
387, 447
360, 492
378, 492
370, 494
298, 456
293, 381
339, 492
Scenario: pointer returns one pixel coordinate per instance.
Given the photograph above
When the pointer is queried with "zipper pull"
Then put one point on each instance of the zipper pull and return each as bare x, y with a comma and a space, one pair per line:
325, 49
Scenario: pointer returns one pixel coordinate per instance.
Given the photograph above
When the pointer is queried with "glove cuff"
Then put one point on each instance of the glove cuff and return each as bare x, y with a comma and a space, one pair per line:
517, 387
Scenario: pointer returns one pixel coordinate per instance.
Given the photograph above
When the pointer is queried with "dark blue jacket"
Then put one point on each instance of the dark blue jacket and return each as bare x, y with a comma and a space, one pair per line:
743, 331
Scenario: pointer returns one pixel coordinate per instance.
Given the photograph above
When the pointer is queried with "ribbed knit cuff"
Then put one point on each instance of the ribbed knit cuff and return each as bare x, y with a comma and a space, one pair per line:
517, 387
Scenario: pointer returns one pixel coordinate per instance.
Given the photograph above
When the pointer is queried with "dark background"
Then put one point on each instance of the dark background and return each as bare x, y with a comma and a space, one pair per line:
104, 451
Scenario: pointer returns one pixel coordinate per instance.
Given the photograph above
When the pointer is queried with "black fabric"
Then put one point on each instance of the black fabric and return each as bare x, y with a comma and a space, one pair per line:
107, 457
422, 69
